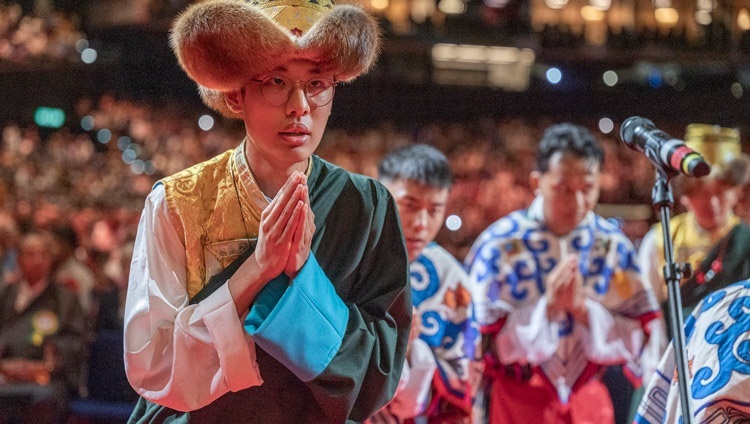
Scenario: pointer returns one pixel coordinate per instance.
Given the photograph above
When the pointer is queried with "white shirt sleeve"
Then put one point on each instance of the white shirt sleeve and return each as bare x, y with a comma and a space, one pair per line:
179, 355
649, 258
610, 339
528, 336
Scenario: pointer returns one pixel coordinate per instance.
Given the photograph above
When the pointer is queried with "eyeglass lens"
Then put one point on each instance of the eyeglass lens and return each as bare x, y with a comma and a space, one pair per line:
318, 91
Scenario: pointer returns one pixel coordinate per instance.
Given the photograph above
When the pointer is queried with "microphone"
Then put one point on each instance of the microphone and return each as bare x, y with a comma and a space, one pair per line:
664, 151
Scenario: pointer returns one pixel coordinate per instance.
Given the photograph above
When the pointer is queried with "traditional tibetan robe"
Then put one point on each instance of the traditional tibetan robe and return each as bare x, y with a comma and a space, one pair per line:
326, 347
718, 258
435, 383
717, 337
546, 369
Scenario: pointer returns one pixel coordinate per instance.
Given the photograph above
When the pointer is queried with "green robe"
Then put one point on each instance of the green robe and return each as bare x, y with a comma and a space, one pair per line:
359, 245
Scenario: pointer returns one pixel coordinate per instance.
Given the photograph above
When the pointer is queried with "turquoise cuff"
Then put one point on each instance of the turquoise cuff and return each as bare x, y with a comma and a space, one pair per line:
301, 324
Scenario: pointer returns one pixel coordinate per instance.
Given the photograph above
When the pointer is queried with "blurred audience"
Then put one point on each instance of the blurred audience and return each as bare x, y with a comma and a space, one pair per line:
42, 36
94, 174
42, 338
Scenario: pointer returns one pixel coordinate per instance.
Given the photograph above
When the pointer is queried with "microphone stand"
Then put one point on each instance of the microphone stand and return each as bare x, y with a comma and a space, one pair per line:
662, 198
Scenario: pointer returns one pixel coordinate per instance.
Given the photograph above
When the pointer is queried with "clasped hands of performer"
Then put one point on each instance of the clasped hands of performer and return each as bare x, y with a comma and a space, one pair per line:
565, 291
285, 234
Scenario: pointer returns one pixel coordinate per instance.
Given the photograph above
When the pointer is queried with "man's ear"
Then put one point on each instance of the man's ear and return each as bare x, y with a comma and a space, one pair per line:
685, 201
234, 100
534, 181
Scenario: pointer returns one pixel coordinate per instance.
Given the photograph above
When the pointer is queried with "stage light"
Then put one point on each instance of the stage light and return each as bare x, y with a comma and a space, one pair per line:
148, 167
592, 14
666, 16
610, 78
206, 122
88, 55
87, 123
606, 125
82, 45
104, 135
453, 222
743, 20
452, 7
654, 78
703, 17
137, 167
124, 142
128, 156
737, 90
554, 75
49, 117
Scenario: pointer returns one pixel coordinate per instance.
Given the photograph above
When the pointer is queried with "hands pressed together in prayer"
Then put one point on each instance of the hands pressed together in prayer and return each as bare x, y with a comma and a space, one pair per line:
286, 229
285, 234
565, 291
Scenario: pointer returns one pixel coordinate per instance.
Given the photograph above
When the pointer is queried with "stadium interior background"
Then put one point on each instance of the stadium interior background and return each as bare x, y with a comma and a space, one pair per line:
477, 71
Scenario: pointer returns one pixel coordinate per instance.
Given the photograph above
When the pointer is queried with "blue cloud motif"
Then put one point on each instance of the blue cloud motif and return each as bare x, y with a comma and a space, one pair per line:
689, 327
489, 257
424, 280
504, 227
583, 240
534, 245
439, 332
521, 272
712, 300
732, 356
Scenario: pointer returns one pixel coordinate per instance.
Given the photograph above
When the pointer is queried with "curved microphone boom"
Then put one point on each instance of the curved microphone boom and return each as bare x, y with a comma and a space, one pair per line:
664, 151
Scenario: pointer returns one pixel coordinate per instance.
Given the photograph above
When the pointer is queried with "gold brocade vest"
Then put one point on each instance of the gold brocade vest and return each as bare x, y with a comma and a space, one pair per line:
204, 204
692, 244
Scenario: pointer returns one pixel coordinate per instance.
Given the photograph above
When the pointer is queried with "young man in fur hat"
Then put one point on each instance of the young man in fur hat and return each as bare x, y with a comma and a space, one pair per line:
267, 285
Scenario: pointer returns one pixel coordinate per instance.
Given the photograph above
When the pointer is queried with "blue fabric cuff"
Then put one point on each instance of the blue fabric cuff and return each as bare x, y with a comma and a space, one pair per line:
301, 324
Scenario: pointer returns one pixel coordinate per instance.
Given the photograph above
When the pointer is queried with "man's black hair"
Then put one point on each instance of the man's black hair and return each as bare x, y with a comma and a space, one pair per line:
420, 163
567, 138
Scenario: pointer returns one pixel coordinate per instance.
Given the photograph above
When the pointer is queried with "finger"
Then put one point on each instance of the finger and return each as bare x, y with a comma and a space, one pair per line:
284, 196
289, 231
299, 230
284, 217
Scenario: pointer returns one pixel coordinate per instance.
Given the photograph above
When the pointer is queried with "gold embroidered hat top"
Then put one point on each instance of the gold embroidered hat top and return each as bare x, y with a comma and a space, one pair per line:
718, 145
222, 44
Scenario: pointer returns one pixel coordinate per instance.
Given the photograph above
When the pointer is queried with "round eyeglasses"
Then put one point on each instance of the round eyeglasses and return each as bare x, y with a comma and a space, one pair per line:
276, 90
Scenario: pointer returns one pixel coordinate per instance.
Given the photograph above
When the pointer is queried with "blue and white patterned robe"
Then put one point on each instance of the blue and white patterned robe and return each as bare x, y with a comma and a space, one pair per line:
717, 336
438, 368
508, 267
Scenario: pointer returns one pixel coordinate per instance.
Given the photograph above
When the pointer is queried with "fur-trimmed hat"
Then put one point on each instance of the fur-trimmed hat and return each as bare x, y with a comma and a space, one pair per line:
722, 150
221, 44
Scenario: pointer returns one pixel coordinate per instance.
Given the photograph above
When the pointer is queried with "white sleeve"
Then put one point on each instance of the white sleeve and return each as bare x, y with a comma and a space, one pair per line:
649, 258
179, 355
528, 336
414, 387
610, 339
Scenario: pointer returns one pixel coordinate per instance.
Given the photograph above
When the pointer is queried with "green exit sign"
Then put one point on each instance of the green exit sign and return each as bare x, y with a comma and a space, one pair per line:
50, 117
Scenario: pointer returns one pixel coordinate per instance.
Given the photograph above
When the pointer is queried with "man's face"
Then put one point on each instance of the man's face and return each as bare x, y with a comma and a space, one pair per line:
711, 201
421, 209
570, 188
34, 259
286, 134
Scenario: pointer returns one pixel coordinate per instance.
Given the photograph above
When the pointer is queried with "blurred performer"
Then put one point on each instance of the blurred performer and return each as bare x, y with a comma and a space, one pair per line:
267, 285
42, 339
718, 341
435, 380
709, 236
557, 293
